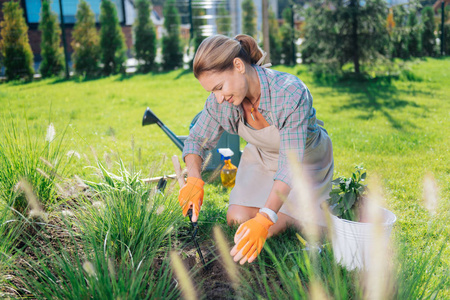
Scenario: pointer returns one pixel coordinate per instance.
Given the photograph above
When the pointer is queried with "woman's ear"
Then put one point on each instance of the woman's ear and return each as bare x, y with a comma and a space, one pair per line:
239, 65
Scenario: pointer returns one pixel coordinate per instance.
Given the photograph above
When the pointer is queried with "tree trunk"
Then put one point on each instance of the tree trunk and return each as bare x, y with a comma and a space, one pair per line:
265, 23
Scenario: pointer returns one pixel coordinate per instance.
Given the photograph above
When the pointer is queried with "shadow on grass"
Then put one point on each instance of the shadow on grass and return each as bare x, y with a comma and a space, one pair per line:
76, 79
181, 74
375, 95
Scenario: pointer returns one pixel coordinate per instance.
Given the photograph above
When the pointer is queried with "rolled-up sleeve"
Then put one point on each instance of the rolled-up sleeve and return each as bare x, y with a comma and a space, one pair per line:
206, 132
293, 132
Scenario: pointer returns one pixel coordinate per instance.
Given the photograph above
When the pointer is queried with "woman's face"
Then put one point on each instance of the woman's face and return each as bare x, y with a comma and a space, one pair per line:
230, 86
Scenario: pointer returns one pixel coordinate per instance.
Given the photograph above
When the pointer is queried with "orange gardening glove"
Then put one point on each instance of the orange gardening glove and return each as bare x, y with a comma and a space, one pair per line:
191, 196
250, 238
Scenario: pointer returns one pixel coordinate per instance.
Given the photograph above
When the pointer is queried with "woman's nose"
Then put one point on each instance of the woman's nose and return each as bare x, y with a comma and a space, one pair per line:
219, 97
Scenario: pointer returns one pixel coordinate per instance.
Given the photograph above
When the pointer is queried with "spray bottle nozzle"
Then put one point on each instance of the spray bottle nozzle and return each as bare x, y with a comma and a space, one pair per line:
226, 153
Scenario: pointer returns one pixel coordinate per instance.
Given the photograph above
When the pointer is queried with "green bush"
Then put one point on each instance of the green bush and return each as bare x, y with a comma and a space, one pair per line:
274, 39
414, 35
447, 39
249, 18
399, 33
428, 37
85, 42
112, 40
145, 37
172, 53
51, 52
286, 34
14, 46
223, 22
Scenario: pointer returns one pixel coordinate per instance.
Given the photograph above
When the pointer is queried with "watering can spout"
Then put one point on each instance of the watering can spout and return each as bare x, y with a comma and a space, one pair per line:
150, 118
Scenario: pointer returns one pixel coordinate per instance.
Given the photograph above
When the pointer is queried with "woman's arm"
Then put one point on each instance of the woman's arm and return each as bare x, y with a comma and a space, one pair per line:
194, 165
277, 196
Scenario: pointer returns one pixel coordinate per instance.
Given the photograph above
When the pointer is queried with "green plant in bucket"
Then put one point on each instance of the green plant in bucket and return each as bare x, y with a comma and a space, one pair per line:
347, 195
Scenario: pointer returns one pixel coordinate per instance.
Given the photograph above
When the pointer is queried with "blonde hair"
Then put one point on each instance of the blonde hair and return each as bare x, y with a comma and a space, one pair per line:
216, 53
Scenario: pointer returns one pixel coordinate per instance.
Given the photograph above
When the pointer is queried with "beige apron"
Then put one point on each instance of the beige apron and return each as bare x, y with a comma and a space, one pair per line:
259, 162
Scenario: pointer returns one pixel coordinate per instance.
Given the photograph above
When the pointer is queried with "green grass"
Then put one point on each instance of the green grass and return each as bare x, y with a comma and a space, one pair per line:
397, 129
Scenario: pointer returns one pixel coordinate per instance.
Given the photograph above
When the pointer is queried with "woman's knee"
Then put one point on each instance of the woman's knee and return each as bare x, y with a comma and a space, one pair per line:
238, 214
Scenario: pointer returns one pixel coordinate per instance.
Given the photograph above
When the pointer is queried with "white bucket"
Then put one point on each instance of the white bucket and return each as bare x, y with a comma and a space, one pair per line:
352, 240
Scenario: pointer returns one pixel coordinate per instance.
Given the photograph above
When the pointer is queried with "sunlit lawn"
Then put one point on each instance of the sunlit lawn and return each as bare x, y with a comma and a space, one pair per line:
398, 131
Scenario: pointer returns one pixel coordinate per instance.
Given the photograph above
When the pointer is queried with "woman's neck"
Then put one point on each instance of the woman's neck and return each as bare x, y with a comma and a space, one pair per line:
254, 86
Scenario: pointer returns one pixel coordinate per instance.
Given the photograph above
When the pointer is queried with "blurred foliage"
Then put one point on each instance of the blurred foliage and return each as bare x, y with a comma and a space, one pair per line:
144, 37
428, 37
338, 32
249, 18
15, 49
51, 51
112, 40
85, 42
172, 51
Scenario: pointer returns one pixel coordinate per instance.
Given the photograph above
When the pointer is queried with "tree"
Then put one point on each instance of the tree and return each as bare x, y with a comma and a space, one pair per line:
198, 21
14, 46
309, 47
399, 33
248, 18
112, 40
51, 52
287, 35
85, 42
414, 34
347, 32
145, 37
274, 39
447, 39
223, 22
171, 49
428, 37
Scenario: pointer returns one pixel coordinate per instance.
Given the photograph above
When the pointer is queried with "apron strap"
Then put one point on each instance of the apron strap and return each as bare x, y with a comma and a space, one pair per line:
320, 122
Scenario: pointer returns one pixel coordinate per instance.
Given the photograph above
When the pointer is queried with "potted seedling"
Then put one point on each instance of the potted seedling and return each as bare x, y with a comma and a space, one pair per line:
351, 233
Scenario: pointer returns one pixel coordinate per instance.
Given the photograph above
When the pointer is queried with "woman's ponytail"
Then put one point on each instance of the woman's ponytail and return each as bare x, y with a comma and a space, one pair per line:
216, 53
250, 46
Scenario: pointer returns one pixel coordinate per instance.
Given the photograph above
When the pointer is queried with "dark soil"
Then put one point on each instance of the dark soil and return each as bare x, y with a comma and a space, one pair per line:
211, 280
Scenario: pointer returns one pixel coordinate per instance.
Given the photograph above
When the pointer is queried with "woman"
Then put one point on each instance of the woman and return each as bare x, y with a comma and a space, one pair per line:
273, 112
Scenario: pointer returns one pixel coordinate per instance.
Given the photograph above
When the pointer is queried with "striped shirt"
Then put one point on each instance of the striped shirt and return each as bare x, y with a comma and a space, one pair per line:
283, 96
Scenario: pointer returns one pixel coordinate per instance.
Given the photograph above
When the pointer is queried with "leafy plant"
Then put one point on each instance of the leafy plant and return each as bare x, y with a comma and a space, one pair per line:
347, 195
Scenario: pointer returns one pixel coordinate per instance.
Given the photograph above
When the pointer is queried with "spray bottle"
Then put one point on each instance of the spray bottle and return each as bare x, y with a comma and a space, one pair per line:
228, 173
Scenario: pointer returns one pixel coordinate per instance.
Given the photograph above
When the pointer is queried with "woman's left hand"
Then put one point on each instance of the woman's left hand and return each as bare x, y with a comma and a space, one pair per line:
250, 238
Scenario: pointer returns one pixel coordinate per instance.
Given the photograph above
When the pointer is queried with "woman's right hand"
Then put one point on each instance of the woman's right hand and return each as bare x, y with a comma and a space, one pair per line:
191, 196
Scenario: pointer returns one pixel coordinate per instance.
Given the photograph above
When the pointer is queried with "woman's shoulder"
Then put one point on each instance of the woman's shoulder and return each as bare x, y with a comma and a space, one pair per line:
285, 82
286, 86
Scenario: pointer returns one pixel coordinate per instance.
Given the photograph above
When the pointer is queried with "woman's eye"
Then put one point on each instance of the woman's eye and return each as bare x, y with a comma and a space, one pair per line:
219, 88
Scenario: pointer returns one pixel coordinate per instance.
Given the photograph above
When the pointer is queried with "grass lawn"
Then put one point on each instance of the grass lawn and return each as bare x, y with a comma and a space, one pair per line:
398, 130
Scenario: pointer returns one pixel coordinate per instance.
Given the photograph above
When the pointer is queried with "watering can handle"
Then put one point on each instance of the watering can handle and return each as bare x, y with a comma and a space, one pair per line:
178, 171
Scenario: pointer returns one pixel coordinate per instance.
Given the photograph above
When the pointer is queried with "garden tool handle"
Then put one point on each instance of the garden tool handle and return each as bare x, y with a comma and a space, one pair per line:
178, 171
